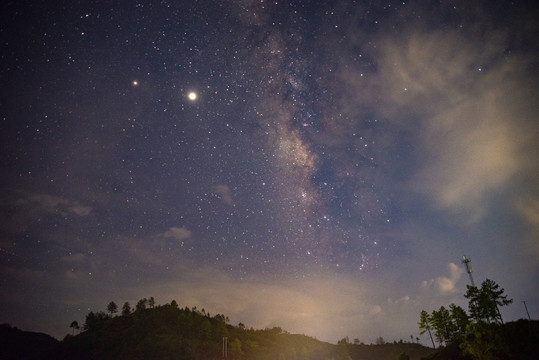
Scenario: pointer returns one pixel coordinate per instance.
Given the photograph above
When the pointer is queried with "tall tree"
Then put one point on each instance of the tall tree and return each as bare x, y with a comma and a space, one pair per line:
75, 326
95, 320
460, 321
425, 325
112, 308
442, 325
449, 325
141, 304
484, 302
126, 309
151, 302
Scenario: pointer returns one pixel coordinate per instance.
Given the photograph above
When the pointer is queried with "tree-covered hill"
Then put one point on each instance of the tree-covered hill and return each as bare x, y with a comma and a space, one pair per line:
170, 332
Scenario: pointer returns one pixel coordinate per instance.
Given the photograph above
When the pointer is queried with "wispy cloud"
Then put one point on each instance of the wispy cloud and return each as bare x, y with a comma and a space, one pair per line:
445, 285
467, 107
178, 233
224, 192
20, 208
56, 204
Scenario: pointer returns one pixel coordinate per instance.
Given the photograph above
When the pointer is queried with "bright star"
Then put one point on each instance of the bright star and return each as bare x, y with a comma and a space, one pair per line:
192, 96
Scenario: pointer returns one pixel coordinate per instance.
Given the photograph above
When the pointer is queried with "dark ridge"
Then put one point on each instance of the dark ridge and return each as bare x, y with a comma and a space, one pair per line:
170, 332
22, 345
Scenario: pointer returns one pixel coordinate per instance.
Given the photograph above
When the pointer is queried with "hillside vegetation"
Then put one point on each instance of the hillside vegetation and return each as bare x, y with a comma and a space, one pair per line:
170, 332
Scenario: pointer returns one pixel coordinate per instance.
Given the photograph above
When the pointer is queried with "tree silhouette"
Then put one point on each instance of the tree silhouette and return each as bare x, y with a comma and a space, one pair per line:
141, 304
460, 320
484, 302
425, 324
126, 309
75, 326
448, 325
151, 302
442, 325
94, 320
112, 308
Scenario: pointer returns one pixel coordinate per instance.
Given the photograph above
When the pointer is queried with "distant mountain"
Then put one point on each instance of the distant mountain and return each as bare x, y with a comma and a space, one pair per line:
22, 345
169, 332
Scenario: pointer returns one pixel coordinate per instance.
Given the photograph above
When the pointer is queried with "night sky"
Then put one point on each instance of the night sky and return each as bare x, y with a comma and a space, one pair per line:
321, 166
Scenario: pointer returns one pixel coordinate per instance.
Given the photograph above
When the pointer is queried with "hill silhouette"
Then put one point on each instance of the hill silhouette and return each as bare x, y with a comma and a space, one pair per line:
170, 332
21, 345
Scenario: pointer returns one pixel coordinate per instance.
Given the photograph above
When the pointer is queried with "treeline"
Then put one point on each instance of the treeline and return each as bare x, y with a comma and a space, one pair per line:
149, 331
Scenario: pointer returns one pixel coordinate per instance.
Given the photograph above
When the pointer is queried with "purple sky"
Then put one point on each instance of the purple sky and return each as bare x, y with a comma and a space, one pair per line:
337, 162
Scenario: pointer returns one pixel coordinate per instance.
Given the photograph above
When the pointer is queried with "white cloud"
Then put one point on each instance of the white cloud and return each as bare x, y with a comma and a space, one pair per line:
376, 309
224, 192
445, 285
178, 233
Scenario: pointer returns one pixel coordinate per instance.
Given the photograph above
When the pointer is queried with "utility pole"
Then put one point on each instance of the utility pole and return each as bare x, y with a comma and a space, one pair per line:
525, 306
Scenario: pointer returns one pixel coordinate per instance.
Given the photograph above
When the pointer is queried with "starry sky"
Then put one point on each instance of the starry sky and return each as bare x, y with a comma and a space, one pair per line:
321, 166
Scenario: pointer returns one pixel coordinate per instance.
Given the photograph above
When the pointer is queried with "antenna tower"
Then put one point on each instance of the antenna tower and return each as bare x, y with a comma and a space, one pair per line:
467, 263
